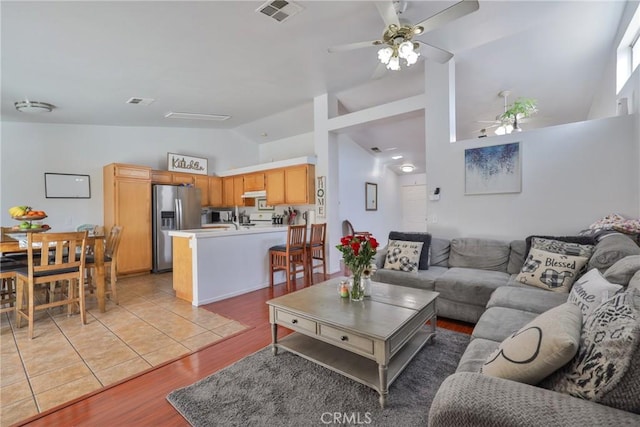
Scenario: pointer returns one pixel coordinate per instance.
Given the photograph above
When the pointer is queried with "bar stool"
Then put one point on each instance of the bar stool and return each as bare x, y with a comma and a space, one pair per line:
316, 250
290, 257
8, 269
110, 255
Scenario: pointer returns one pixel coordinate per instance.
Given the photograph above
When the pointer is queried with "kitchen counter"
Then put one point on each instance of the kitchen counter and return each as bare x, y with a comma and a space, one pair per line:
212, 264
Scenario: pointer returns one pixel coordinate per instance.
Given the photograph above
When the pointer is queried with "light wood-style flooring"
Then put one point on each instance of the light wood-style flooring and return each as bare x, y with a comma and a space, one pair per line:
141, 401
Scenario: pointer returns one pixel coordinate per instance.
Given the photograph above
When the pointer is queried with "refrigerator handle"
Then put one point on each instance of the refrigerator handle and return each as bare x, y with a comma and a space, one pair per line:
178, 214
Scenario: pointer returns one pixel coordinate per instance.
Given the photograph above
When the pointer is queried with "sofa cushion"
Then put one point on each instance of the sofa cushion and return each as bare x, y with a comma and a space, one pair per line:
497, 323
539, 348
440, 252
611, 248
526, 298
476, 354
623, 270
517, 254
403, 256
606, 368
634, 283
484, 254
591, 290
470, 285
425, 238
551, 271
423, 279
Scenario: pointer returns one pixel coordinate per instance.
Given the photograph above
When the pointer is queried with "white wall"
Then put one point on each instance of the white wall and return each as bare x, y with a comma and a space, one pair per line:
287, 148
27, 151
572, 175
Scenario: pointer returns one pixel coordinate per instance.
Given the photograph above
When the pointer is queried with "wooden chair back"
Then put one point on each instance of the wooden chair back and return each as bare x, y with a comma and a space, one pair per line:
113, 242
318, 232
296, 238
55, 256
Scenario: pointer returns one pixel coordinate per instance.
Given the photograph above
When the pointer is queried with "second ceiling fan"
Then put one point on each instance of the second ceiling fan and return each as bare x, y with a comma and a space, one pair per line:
397, 41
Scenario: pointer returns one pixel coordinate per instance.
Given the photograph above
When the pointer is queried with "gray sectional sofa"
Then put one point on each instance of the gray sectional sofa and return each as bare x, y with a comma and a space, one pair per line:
476, 282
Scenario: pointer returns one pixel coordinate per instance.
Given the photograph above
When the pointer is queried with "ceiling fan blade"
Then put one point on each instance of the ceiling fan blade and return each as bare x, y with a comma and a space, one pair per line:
388, 13
352, 46
380, 71
451, 13
435, 53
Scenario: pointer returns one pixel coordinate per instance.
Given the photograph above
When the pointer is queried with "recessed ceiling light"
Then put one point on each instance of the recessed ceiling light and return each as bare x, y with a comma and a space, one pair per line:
196, 116
407, 168
396, 157
27, 106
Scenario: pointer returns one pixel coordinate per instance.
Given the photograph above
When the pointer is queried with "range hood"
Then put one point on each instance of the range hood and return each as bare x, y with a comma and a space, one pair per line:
254, 194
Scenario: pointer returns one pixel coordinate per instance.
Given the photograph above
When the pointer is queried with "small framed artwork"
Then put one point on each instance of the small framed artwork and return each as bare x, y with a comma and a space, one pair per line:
262, 205
66, 186
493, 170
371, 196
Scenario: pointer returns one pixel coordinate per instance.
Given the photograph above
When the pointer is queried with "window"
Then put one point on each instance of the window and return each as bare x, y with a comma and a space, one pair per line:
628, 54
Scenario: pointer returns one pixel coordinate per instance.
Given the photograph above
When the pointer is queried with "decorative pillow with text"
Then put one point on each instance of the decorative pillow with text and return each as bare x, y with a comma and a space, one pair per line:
403, 255
591, 290
551, 271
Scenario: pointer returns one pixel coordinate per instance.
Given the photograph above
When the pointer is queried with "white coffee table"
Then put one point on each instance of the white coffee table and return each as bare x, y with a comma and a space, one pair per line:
371, 341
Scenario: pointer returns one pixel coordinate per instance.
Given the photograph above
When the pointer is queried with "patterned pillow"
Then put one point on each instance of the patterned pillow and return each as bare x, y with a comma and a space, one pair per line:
606, 368
562, 247
551, 271
591, 290
538, 349
403, 255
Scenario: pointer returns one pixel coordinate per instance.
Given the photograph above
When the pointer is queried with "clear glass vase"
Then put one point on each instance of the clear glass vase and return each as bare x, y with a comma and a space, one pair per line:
357, 289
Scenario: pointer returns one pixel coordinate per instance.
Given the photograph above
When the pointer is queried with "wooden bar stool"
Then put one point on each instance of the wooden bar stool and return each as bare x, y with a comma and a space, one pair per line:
291, 257
8, 269
316, 250
110, 255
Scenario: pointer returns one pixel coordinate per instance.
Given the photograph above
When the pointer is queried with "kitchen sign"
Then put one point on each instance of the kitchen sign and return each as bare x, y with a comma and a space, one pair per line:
321, 197
182, 163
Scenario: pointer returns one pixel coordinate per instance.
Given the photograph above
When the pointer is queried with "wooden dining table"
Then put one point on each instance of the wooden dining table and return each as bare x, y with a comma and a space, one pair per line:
9, 244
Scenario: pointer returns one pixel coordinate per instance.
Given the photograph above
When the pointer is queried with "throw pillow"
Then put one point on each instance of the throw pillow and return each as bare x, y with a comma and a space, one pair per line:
562, 247
606, 368
579, 240
425, 238
591, 290
539, 348
403, 256
623, 270
550, 271
611, 249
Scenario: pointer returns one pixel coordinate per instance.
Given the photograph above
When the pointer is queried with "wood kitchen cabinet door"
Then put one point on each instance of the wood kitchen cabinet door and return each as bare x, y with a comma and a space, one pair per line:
127, 203
238, 190
275, 187
182, 178
254, 181
202, 182
161, 177
299, 184
227, 191
215, 192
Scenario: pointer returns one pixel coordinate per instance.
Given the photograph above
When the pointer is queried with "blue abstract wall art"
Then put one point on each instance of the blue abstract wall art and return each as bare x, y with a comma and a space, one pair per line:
494, 169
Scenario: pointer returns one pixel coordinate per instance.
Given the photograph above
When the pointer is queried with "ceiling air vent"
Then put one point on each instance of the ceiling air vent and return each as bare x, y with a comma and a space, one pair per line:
376, 150
279, 10
141, 101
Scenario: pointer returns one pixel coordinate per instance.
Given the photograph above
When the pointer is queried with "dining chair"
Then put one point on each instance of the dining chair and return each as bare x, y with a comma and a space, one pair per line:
316, 250
52, 257
290, 257
110, 255
348, 230
8, 269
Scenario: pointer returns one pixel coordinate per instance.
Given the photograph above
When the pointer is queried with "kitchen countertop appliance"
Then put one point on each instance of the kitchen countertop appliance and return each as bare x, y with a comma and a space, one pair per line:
174, 208
261, 219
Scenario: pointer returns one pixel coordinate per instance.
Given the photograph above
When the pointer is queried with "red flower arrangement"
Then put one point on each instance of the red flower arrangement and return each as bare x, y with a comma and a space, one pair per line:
357, 253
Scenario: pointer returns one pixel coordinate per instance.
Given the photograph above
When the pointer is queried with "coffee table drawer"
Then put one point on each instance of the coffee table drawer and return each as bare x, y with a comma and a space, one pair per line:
294, 321
346, 339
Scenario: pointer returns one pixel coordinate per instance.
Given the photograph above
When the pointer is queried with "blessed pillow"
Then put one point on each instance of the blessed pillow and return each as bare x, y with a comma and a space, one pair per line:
539, 348
591, 290
606, 368
403, 255
550, 271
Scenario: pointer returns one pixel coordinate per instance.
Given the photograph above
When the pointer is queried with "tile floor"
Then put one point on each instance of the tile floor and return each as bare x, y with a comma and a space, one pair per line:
66, 360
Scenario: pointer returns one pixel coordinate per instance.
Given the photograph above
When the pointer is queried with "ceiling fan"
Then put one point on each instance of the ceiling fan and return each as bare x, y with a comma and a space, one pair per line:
397, 38
504, 123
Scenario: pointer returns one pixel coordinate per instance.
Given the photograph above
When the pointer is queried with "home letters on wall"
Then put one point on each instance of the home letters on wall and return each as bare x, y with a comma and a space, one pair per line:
189, 164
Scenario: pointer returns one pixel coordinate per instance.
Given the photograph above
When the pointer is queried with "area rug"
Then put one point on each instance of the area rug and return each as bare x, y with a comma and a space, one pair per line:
288, 390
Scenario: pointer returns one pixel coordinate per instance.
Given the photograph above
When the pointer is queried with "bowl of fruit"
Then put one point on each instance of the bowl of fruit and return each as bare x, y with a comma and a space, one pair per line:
26, 213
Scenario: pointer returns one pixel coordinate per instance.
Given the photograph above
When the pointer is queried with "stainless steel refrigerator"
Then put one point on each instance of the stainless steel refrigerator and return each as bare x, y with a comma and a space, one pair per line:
174, 208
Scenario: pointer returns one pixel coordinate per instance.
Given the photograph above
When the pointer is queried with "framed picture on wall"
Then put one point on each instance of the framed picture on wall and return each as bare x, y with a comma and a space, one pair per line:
262, 205
493, 170
371, 196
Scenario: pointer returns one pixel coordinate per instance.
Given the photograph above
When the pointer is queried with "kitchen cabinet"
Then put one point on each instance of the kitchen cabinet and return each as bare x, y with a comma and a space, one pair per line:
254, 182
227, 191
161, 177
182, 178
299, 184
275, 187
127, 203
215, 192
232, 190
202, 182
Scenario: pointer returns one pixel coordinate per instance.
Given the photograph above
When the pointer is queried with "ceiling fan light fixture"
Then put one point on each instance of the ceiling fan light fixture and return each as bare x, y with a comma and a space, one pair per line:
27, 106
405, 49
384, 54
394, 63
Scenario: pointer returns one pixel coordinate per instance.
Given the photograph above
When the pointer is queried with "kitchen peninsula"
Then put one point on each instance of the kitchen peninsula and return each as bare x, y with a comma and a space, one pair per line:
214, 264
